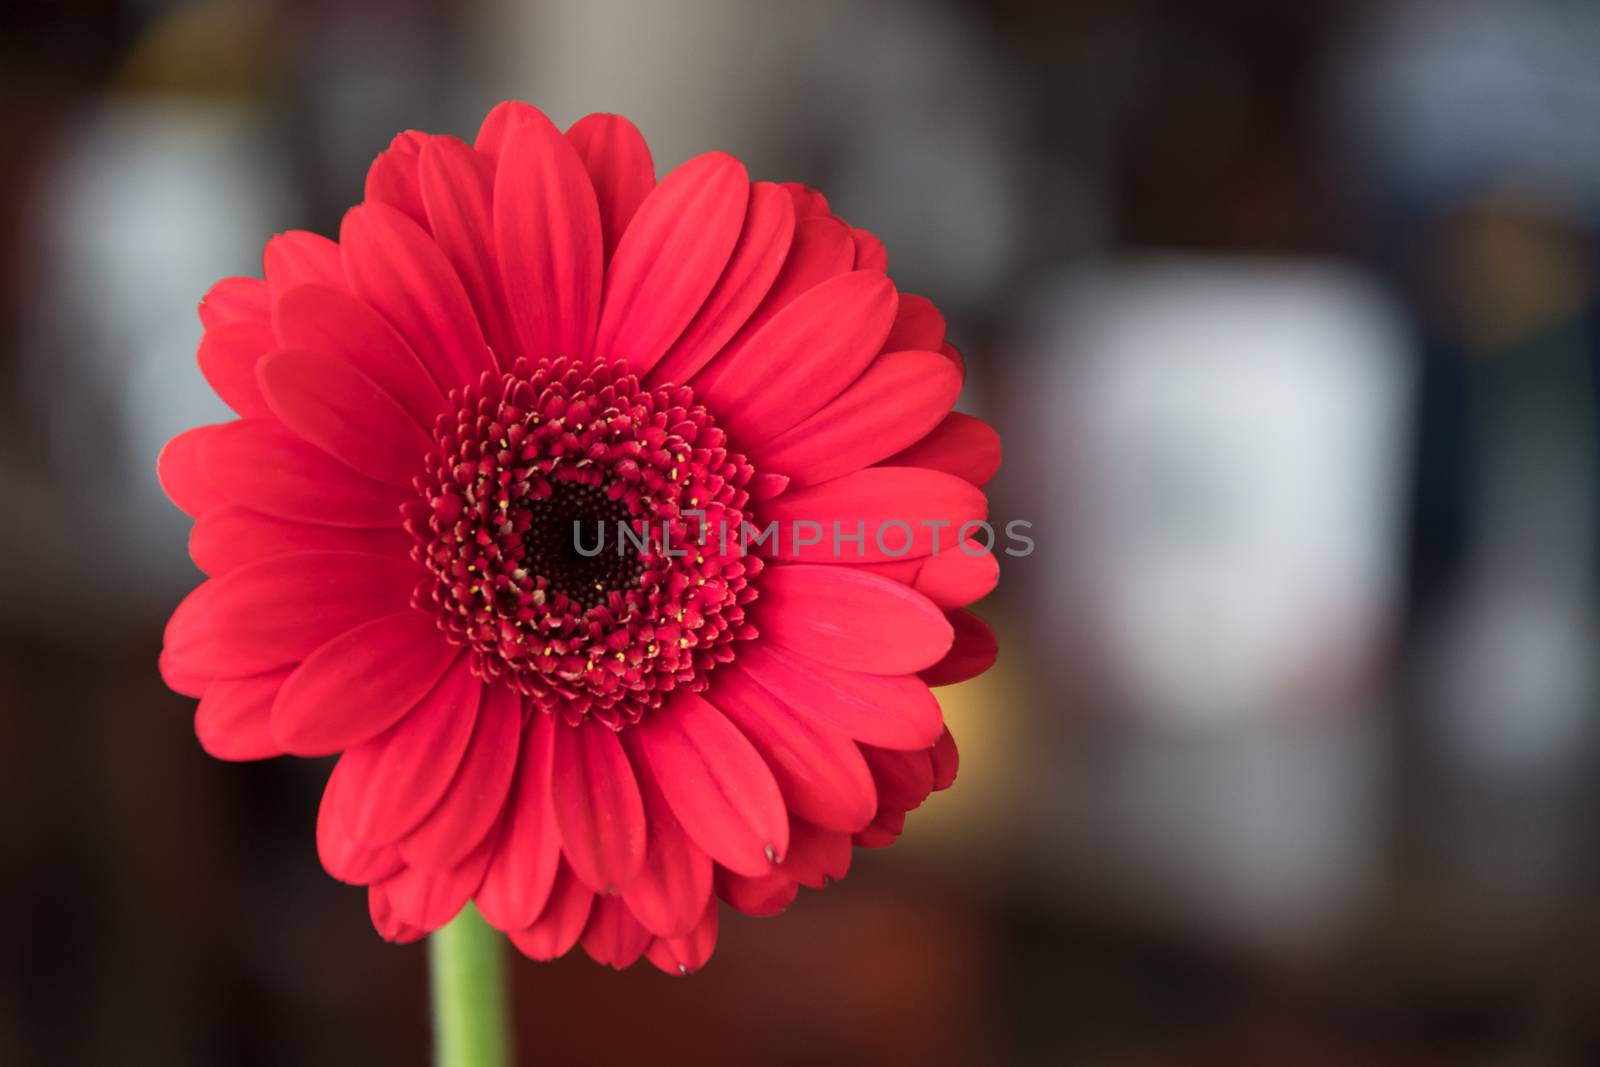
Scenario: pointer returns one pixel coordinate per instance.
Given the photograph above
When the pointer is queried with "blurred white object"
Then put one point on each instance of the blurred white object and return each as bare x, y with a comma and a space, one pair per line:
153, 200
1236, 433
1224, 553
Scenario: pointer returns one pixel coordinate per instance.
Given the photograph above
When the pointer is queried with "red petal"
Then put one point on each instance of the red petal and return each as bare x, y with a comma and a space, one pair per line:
687, 954
821, 249
180, 679
562, 921
954, 356
891, 712
458, 190
761, 897
331, 404
276, 612
523, 870
816, 856
904, 777
808, 203
620, 168
717, 783
952, 579
261, 464
232, 719
956, 579
757, 257
342, 856
904, 571
384, 921
670, 258
817, 766
471, 807
883, 832
392, 178
946, 761
316, 318
870, 253
960, 445
899, 398
613, 937
430, 899
597, 806
387, 785
503, 119
669, 894
230, 537
227, 359
547, 234
899, 513
394, 265
917, 325
973, 651
850, 619
188, 644
360, 683
178, 470
302, 258
892, 823
235, 300
765, 485
803, 357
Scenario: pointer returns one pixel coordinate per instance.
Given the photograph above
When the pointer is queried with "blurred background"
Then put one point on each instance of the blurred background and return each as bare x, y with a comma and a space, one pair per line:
1284, 312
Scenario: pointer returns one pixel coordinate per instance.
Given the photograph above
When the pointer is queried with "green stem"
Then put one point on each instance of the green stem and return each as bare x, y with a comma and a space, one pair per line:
466, 960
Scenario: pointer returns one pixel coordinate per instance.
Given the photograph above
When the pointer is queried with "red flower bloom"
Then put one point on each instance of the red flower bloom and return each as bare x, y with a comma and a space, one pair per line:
515, 336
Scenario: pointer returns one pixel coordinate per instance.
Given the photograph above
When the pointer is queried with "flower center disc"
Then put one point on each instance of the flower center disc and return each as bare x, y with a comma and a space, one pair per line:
560, 520
575, 544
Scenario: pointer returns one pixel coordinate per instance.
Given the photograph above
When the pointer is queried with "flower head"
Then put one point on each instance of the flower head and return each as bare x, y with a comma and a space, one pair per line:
593, 522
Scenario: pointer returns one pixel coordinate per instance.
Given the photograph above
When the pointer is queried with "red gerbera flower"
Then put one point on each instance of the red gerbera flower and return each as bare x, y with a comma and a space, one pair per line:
530, 332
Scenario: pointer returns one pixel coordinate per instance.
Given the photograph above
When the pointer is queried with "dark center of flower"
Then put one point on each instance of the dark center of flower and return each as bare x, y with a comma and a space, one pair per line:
560, 521
575, 545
